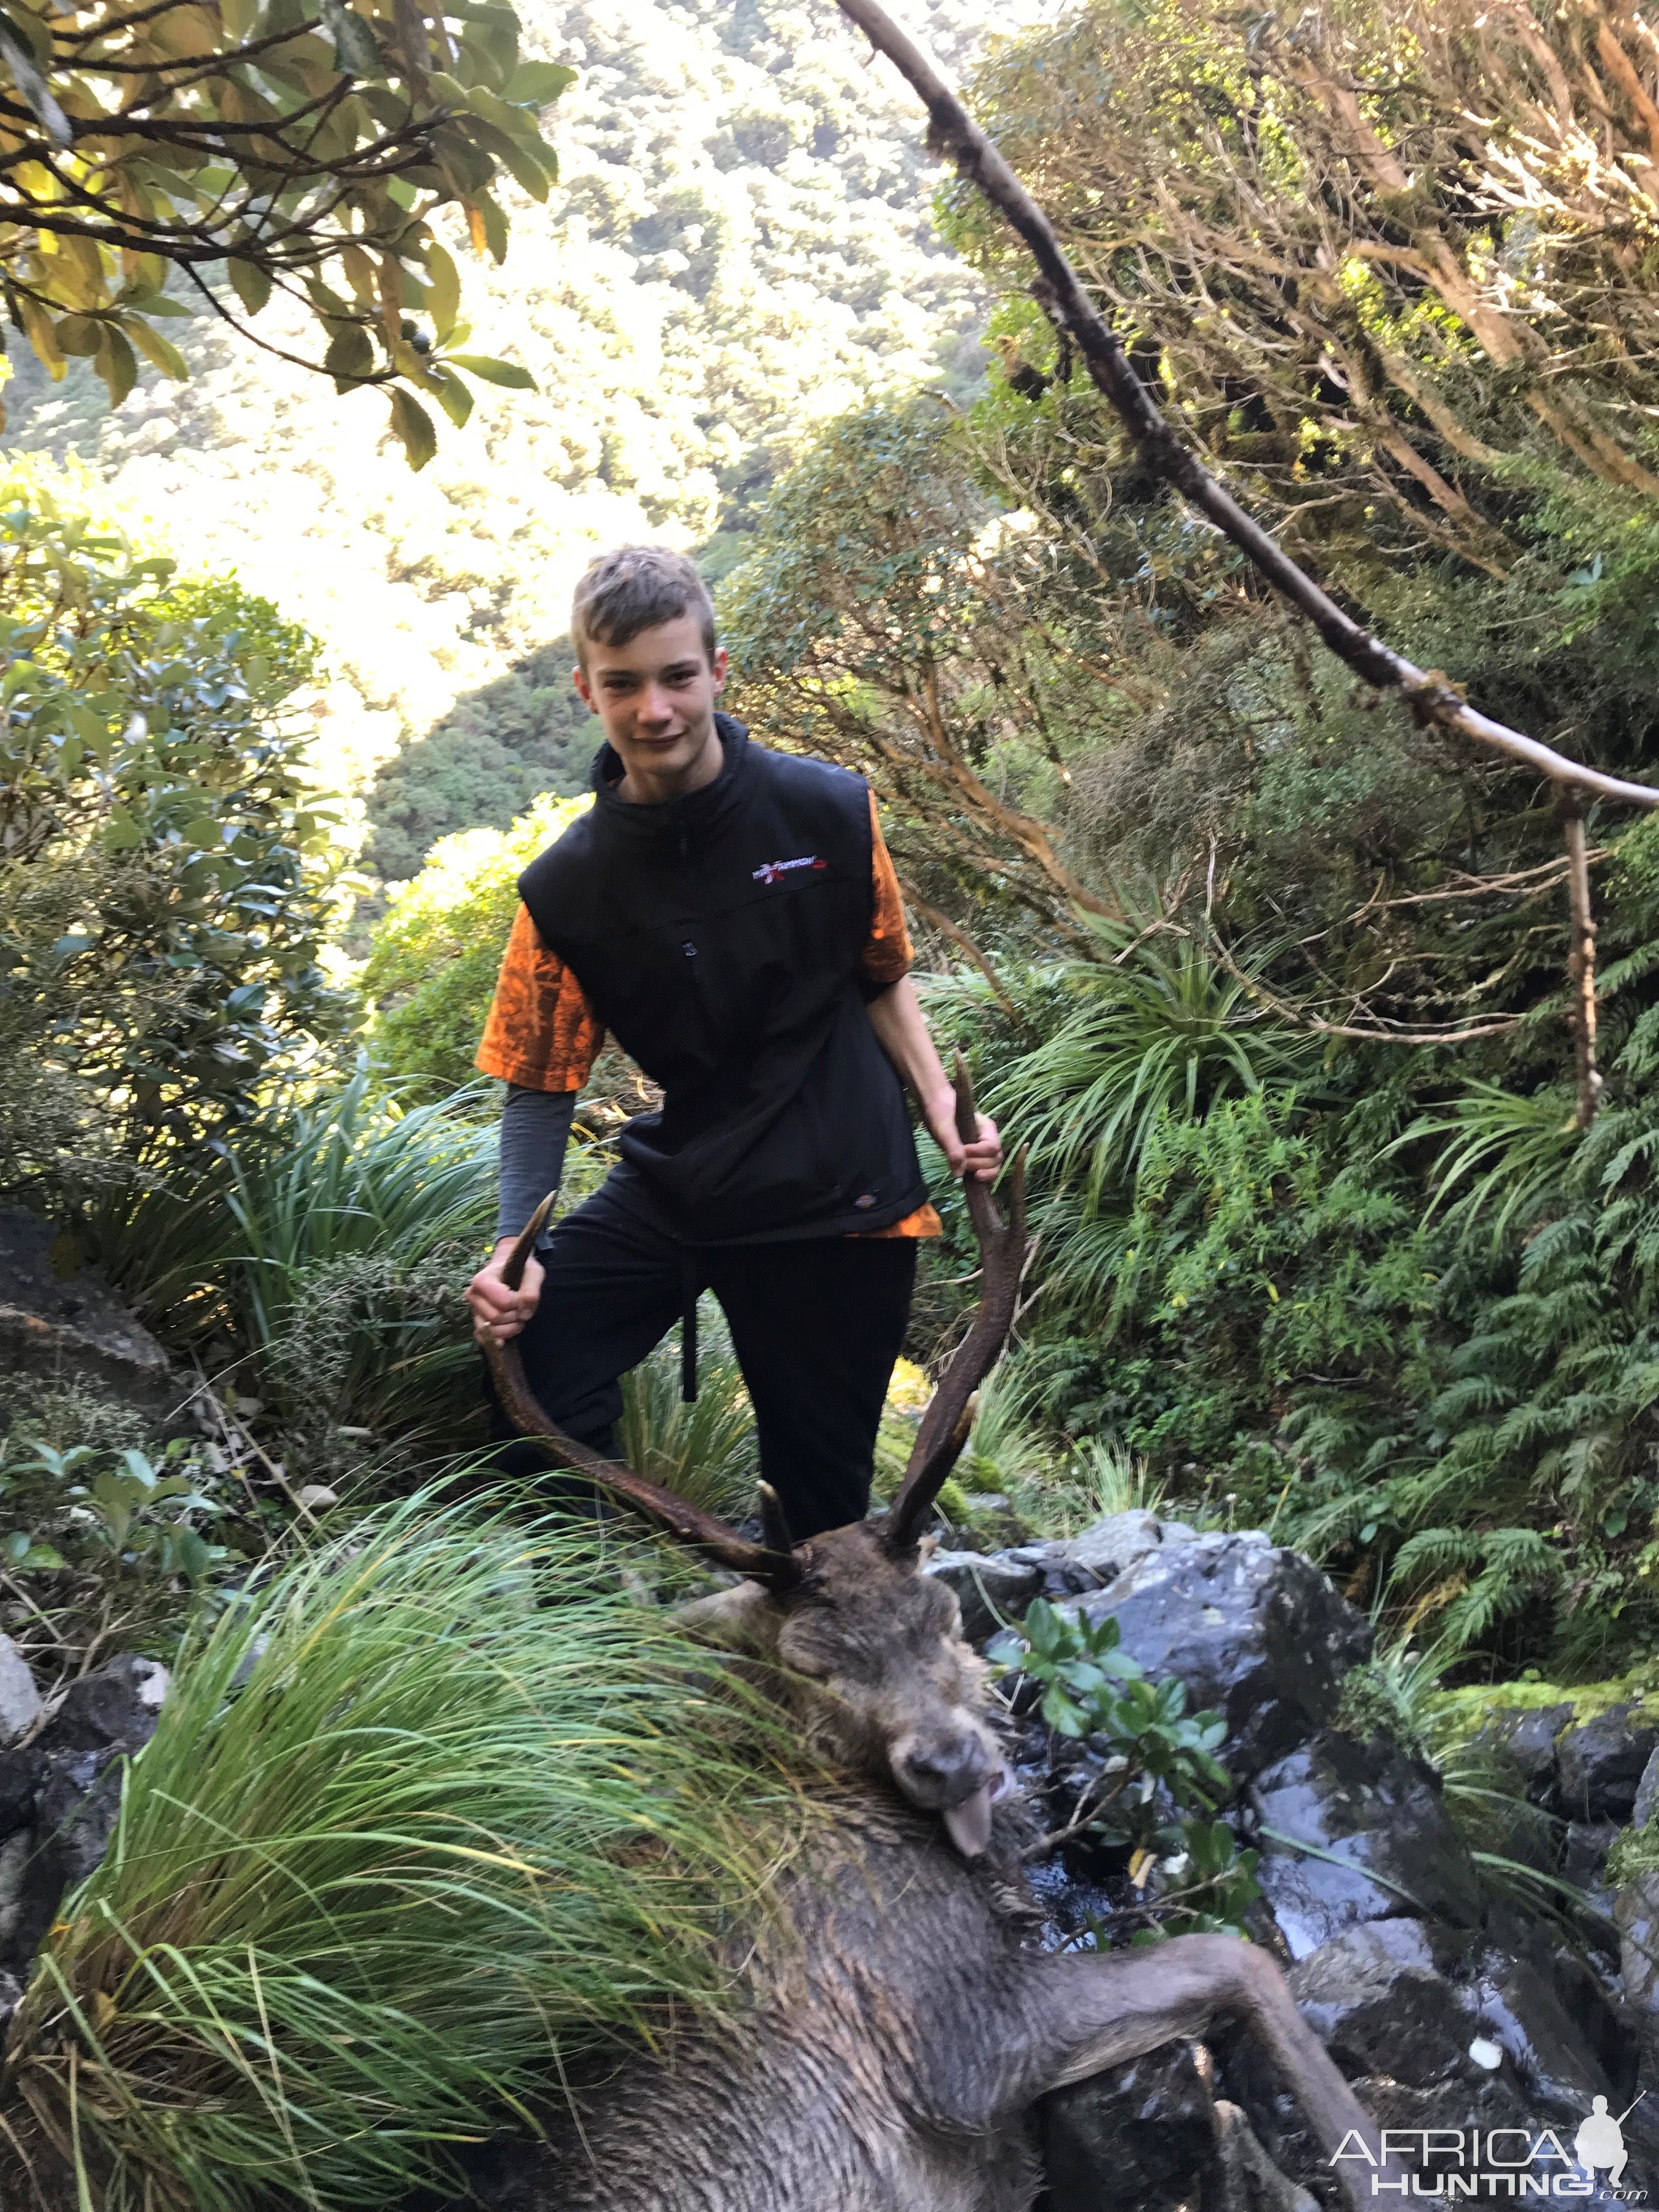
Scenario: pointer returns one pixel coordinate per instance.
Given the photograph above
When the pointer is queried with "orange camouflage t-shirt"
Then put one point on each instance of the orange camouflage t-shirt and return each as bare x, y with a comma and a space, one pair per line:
541, 1034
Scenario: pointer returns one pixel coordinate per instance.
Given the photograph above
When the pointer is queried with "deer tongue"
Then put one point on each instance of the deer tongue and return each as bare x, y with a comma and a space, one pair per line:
969, 1825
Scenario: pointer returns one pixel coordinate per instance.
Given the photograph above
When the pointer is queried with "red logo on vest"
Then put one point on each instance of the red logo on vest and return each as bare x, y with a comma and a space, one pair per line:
769, 871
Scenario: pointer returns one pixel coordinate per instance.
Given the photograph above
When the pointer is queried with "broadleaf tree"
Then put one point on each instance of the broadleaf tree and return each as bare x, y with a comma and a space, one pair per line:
289, 150
166, 862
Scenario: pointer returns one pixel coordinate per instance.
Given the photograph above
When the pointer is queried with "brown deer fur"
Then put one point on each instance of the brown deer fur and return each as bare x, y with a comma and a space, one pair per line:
890, 2061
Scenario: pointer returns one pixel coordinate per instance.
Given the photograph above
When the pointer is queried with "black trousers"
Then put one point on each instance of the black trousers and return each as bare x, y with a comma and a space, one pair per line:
816, 1324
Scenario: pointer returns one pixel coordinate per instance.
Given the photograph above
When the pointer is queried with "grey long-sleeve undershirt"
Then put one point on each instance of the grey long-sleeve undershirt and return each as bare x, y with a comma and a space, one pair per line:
535, 1129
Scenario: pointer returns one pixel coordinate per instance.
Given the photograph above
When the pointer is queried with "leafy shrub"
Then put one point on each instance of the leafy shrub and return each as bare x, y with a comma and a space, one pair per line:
165, 864
1155, 1029
108, 1515
1505, 1159
425, 1816
321, 1257
1158, 1758
437, 950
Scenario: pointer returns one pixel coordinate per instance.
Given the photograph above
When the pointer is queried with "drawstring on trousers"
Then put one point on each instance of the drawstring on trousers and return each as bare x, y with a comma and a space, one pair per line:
688, 1332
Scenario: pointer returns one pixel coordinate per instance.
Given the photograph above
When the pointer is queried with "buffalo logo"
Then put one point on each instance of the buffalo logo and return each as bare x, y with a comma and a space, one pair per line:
769, 871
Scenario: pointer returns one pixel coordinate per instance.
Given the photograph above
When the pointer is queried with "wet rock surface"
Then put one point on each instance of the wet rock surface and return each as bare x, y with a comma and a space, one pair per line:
991, 1588
1599, 1765
60, 1793
1142, 2134
1254, 1632
1450, 2006
1523, 1743
1379, 1844
57, 1317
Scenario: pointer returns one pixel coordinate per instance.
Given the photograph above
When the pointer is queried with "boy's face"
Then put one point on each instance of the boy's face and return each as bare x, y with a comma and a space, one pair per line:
655, 698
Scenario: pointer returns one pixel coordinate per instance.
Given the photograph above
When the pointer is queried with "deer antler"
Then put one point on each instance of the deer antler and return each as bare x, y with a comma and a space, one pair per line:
778, 1567
949, 1413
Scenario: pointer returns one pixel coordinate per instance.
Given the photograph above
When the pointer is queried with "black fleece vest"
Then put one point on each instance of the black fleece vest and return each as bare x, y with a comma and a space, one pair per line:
718, 937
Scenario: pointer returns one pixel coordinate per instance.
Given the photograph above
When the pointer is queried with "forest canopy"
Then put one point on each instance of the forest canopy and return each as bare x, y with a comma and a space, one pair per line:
738, 246
143, 144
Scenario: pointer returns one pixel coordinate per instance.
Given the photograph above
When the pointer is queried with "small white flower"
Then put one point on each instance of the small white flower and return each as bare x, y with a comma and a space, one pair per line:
1486, 2053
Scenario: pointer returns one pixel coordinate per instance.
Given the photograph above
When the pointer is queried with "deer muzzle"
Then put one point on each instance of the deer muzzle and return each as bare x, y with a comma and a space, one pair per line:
957, 1774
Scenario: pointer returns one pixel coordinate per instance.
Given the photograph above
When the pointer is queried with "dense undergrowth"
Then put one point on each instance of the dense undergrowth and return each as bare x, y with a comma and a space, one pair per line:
431, 1800
1270, 981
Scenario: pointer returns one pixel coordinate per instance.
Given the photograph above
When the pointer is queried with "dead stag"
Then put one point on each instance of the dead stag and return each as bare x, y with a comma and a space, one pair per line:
893, 2066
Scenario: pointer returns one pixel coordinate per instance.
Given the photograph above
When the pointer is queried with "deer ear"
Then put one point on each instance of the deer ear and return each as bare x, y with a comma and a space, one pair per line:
747, 1617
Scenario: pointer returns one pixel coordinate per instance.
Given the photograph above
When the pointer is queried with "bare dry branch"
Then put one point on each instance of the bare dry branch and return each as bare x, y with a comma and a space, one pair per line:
1429, 693
1581, 959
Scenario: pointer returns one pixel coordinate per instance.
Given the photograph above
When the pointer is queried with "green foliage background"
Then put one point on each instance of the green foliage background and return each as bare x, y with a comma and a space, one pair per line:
739, 248
166, 862
1270, 979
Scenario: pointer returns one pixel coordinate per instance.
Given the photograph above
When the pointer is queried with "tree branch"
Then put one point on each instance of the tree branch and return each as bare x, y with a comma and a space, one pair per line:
1581, 959
958, 936
1430, 697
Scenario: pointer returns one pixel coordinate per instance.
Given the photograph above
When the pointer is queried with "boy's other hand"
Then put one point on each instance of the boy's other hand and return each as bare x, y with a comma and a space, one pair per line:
498, 1313
983, 1157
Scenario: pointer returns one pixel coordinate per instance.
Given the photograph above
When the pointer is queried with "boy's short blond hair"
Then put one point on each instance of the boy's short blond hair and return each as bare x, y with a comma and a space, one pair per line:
633, 589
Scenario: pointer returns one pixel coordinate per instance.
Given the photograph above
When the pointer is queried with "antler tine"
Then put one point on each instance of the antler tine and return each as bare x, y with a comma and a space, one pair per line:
682, 1520
949, 1413
775, 1523
512, 1266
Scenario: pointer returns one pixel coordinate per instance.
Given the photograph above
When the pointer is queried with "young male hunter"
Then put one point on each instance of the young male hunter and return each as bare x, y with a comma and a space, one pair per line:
730, 916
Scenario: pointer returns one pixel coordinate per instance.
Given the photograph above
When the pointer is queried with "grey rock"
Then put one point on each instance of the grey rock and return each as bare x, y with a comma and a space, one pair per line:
1491, 2100
1060, 1574
1636, 1913
1647, 1793
11, 1996
21, 1775
1374, 1998
54, 1325
1142, 2134
1584, 1858
74, 1817
1254, 1631
19, 1701
1108, 1547
115, 1707
986, 1584
1599, 1764
1386, 1848
1559, 2072
1407, 1998
104, 1718
1525, 1741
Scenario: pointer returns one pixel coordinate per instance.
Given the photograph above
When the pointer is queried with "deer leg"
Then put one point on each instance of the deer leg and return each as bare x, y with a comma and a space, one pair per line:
1084, 2013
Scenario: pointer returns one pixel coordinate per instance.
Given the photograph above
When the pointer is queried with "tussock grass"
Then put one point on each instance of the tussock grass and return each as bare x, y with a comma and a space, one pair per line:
325, 1251
708, 1451
423, 1819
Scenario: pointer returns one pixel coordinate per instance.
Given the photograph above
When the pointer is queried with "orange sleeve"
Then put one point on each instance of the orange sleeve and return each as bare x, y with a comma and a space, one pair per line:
888, 953
541, 1033
924, 1221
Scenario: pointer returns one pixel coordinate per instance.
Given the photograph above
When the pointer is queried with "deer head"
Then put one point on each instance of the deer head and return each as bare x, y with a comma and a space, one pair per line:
869, 1650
